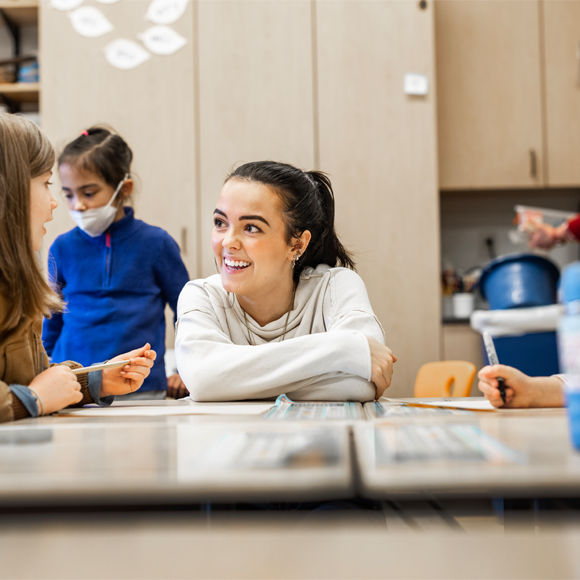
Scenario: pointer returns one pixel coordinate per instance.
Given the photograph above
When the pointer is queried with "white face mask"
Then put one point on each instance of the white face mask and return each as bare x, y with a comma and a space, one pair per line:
96, 221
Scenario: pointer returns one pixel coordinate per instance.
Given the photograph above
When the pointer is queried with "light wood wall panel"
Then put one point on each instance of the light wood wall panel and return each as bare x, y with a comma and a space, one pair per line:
151, 106
379, 147
562, 73
255, 92
489, 93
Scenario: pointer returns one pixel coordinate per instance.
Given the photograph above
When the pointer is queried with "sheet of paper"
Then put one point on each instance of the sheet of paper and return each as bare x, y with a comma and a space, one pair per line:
166, 411
314, 412
90, 22
448, 403
162, 40
386, 408
125, 54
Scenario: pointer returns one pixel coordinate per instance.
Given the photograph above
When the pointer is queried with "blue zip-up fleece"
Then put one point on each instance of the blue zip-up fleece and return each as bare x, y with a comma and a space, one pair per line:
115, 287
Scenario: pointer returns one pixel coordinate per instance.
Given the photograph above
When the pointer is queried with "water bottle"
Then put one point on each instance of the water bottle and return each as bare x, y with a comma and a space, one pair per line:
569, 346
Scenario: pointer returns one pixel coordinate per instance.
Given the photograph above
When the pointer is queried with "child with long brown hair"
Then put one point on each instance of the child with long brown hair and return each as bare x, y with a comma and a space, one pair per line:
28, 385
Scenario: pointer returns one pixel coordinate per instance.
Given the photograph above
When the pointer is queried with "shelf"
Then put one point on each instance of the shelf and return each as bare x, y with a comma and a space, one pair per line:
20, 13
21, 92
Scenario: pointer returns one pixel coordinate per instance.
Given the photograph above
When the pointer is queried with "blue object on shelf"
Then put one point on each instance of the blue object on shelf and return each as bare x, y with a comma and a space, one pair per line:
519, 281
28, 73
570, 283
535, 353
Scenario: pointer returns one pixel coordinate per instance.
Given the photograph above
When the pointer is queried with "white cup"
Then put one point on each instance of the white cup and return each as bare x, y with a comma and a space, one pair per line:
463, 304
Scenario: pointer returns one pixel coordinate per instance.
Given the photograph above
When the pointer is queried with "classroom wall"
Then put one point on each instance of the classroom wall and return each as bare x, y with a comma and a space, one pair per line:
314, 83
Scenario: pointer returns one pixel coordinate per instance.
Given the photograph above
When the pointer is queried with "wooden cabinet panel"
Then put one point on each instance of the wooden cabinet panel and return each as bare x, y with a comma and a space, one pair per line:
378, 146
460, 342
255, 92
489, 93
151, 106
562, 53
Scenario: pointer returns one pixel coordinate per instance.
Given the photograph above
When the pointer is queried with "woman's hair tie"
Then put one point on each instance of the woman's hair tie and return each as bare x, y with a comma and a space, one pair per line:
85, 133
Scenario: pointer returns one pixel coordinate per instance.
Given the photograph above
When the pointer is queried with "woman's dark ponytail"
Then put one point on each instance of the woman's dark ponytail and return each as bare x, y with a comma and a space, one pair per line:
308, 204
327, 248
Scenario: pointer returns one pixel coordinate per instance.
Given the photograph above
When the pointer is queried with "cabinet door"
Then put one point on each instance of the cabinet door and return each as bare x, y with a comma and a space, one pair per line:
255, 92
151, 106
562, 49
378, 146
489, 94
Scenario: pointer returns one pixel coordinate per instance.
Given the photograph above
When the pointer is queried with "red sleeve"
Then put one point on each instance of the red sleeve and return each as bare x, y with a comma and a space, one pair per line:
574, 227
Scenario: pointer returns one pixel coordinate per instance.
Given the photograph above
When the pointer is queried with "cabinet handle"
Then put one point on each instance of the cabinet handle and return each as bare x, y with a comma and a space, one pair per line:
184, 241
533, 164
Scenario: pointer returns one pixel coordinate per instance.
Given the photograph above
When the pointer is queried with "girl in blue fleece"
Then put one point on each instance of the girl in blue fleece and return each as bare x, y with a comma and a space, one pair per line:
115, 273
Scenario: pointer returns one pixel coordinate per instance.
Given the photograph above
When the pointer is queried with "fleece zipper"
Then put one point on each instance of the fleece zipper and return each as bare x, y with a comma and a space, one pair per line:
108, 260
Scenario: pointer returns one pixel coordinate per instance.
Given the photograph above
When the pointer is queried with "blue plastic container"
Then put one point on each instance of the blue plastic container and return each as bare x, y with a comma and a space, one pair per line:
519, 281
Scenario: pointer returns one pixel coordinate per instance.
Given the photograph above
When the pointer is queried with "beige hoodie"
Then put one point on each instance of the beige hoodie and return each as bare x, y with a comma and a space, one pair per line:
324, 355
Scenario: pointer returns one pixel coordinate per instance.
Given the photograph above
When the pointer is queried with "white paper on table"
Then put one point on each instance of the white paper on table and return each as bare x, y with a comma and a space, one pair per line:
108, 1
447, 403
166, 411
90, 22
125, 54
166, 11
65, 5
162, 40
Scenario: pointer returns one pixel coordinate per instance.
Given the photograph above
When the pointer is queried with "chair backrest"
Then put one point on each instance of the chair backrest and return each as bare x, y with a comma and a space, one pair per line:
435, 379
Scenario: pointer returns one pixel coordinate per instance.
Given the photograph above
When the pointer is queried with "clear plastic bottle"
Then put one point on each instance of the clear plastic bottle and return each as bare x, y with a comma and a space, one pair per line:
569, 346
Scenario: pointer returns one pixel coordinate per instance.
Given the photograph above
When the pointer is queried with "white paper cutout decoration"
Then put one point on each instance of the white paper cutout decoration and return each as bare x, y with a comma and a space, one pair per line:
89, 21
162, 40
125, 54
108, 1
65, 4
166, 11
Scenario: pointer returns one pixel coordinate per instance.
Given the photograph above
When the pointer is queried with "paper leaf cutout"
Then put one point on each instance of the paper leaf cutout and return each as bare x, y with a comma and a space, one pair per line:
89, 21
125, 54
162, 40
65, 4
166, 11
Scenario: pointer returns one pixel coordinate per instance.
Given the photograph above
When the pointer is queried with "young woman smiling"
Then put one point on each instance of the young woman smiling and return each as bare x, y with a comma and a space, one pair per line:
287, 313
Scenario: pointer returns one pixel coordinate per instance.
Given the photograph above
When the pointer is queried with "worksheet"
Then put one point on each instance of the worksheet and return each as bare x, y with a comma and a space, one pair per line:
166, 411
286, 409
389, 408
474, 404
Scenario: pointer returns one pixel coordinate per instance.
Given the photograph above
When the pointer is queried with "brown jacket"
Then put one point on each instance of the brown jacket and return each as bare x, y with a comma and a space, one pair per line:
22, 357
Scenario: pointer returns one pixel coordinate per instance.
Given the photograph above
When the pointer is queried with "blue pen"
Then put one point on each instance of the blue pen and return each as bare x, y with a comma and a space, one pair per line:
493, 360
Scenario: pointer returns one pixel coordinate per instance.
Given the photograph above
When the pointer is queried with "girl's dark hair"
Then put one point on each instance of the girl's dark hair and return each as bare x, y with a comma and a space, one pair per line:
307, 204
100, 151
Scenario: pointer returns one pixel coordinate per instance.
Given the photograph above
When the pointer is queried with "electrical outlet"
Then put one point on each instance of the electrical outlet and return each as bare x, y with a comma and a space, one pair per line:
487, 248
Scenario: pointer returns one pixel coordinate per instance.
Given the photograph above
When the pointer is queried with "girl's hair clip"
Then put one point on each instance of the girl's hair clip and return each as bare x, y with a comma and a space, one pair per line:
85, 133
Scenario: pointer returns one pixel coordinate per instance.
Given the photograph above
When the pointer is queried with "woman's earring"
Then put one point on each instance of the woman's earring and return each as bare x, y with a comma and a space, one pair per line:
296, 258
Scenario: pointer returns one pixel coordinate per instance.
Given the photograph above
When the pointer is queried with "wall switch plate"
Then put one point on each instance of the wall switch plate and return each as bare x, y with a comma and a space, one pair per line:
415, 84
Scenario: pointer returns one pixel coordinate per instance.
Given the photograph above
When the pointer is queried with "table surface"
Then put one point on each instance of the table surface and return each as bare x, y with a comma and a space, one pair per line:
211, 458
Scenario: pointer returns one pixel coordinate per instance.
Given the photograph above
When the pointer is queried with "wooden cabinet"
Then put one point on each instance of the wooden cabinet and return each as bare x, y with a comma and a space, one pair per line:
562, 65
256, 86
151, 106
378, 146
315, 84
489, 94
